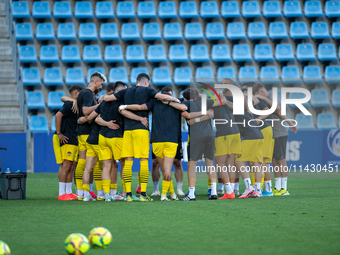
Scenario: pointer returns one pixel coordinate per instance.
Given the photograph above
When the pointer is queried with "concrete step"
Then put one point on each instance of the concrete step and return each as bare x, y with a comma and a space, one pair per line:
8, 72
11, 121
2, 9
11, 128
7, 66
8, 88
5, 43
9, 99
6, 54
6, 112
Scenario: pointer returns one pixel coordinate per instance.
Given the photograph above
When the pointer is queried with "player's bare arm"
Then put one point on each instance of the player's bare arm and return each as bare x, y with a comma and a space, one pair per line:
70, 99
110, 124
108, 98
88, 110
209, 115
166, 97
58, 118
134, 107
178, 106
217, 102
132, 116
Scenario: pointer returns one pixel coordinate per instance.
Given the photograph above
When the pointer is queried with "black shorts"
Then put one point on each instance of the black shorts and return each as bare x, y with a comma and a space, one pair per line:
201, 147
179, 153
280, 146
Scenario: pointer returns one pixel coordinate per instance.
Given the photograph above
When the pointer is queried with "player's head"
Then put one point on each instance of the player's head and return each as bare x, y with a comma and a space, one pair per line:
244, 90
227, 92
248, 84
74, 90
110, 88
97, 79
167, 90
228, 81
259, 89
119, 85
143, 80
190, 94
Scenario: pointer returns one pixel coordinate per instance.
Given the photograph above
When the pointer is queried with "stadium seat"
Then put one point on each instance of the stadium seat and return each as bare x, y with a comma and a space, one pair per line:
108, 32
23, 32
326, 52
297, 95
313, 9
20, 10
125, 10
188, 10
319, 31
92, 54
74, 76
66, 32
161, 76
172, 32
28, 54
104, 10
284, 52
53, 100
45, 32
38, 124
336, 98
31, 77
290, 75
269, 75
113, 54
83, 10
247, 74
101, 93
182, 76
236, 31
263, 53
70, 54
332, 74
134, 54
326, 121
292, 9
41, 10
118, 74
167, 10
35, 100
193, 31
199, 53
90, 71
88, 32
209, 10
178, 53
214, 31
220, 53
332, 9
49, 54
305, 122
135, 72
156, 54
305, 52
53, 129
257, 31
271, 9
336, 30
312, 74
130, 32
204, 73
226, 72
298, 30
230, 10
242, 53
251, 9
146, 10
319, 98
53, 77
277, 31
62, 10
151, 32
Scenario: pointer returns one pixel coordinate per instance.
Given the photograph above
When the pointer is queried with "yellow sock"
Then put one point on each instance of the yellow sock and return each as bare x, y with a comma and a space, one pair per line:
209, 183
79, 173
139, 178
86, 187
127, 174
252, 177
171, 188
262, 181
165, 187
144, 175
112, 186
123, 184
97, 175
106, 186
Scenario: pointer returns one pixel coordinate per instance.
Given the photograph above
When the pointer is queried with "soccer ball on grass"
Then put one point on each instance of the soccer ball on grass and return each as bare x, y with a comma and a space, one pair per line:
100, 237
77, 244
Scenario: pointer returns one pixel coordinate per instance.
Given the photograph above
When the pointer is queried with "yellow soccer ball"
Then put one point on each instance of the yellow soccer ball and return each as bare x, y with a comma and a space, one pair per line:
4, 249
100, 237
77, 244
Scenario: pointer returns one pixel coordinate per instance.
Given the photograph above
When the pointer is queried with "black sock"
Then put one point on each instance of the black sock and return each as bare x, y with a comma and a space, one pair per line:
143, 194
129, 194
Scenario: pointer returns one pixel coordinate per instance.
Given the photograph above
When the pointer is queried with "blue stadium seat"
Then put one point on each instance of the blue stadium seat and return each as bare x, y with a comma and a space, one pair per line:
92, 54
242, 53
38, 124
172, 31
312, 74
236, 31
113, 54
305, 122
257, 31
118, 74
28, 54
87, 32
319, 98
214, 31
135, 72
74, 76
108, 32
263, 53
151, 32
290, 75
193, 31
319, 31
45, 32
209, 10
134, 54
130, 32
146, 10
161, 76
49, 54
66, 32
269, 75
292, 9
182, 76
125, 10
297, 95
332, 74
70, 54
31, 77
41, 10
53, 100
204, 73
326, 52
83, 10
332, 9
284, 52
298, 30
53, 129
336, 98
326, 121
313, 9
251, 9
277, 31
20, 10
62, 10
220, 53
188, 10
271, 9
226, 72
90, 71
336, 30
167, 10
35, 100
230, 10
178, 53
156, 54
23, 32
305, 52
247, 74
199, 53
101, 93
53, 77
104, 10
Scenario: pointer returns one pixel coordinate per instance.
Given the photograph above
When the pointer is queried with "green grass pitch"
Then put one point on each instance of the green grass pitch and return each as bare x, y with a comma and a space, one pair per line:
306, 222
